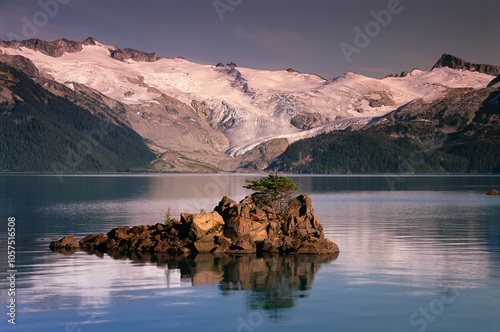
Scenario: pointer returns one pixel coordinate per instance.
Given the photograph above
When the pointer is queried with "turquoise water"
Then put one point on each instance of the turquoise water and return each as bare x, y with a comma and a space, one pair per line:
417, 254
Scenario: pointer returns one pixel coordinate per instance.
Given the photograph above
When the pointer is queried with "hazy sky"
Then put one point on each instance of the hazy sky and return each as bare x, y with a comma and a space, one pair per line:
326, 37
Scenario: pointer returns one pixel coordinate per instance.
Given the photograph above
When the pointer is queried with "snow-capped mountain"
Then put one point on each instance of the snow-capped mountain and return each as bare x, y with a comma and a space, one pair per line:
224, 116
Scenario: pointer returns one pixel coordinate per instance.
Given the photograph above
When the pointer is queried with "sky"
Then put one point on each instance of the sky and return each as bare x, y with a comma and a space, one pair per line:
325, 37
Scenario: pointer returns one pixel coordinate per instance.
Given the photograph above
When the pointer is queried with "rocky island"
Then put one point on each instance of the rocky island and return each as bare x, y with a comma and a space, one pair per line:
266, 221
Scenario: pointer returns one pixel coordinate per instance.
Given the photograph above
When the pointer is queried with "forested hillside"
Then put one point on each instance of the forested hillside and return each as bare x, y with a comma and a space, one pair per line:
459, 133
40, 132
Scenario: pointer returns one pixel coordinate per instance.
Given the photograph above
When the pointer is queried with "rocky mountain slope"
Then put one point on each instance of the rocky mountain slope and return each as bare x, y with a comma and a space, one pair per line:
450, 61
205, 118
41, 132
458, 133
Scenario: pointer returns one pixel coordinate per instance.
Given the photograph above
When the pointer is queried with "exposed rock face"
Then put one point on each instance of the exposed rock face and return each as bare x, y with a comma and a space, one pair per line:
202, 108
263, 155
23, 64
299, 231
237, 80
403, 73
7, 100
55, 48
450, 61
127, 53
495, 82
58, 47
460, 103
247, 227
306, 121
379, 99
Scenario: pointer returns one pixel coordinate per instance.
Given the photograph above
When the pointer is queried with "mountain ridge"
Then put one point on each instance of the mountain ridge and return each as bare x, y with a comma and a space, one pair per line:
451, 61
59, 47
221, 117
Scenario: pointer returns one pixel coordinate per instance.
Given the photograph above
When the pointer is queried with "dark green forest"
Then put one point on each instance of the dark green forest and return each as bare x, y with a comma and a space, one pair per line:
372, 152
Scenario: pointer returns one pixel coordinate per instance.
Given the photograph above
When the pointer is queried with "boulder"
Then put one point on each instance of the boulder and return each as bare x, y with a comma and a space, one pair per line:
159, 227
258, 215
161, 246
202, 223
290, 244
142, 244
67, 242
88, 240
321, 246
186, 219
220, 250
223, 241
226, 208
112, 245
236, 227
93, 241
205, 244
223, 244
138, 229
272, 245
302, 221
244, 245
120, 233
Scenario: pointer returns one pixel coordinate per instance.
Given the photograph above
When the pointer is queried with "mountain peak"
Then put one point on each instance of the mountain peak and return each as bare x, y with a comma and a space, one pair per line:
58, 47
90, 41
453, 62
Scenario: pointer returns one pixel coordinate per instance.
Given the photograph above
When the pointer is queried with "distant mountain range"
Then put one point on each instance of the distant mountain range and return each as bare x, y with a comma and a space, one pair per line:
114, 109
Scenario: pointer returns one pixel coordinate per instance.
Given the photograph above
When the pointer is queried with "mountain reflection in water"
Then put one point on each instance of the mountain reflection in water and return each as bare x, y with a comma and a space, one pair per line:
272, 282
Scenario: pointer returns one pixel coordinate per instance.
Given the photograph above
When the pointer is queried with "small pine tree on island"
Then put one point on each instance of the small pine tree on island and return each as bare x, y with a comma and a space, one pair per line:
275, 190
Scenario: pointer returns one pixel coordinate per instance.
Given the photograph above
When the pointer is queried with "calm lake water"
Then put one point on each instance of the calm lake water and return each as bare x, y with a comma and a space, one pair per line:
417, 254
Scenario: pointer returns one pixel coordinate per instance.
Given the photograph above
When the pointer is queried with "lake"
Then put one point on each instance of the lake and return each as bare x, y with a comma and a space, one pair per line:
418, 253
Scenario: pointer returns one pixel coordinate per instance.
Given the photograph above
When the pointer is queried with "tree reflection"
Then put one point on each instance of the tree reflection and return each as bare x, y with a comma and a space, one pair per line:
272, 282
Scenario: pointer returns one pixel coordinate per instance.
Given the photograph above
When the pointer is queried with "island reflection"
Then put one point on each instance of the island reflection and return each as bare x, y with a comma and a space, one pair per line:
272, 282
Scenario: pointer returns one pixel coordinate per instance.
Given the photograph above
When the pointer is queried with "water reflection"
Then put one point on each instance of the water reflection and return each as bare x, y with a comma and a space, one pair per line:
272, 282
